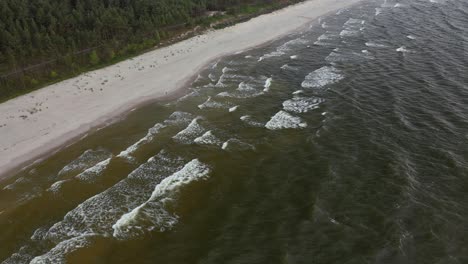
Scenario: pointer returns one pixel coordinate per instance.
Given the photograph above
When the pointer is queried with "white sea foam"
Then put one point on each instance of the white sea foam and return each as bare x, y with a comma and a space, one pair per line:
335, 56
58, 254
282, 120
192, 131
22, 256
378, 11
96, 215
40, 233
227, 77
348, 33
147, 138
352, 27
298, 92
84, 161
233, 109
354, 22
325, 39
212, 77
153, 214
402, 49
244, 90
226, 69
192, 94
302, 104
234, 144
16, 183
321, 77
250, 121
93, 172
286, 47
215, 65
208, 139
375, 45
326, 36
209, 103
179, 118
267, 84
243, 86
56, 186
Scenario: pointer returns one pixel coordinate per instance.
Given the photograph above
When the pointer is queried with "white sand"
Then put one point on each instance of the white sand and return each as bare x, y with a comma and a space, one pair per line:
70, 108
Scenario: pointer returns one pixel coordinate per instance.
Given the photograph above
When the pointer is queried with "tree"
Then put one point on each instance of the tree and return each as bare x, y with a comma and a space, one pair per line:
94, 58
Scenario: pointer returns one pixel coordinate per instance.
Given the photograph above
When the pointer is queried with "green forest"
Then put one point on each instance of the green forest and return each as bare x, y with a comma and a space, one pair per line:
42, 41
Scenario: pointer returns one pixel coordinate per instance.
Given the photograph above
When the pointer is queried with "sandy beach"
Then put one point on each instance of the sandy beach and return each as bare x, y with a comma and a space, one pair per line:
32, 126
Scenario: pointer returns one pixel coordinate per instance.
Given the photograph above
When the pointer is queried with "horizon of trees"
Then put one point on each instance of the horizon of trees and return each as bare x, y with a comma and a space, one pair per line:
35, 32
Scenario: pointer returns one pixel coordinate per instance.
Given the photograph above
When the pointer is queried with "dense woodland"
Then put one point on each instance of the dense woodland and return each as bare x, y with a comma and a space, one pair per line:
43, 40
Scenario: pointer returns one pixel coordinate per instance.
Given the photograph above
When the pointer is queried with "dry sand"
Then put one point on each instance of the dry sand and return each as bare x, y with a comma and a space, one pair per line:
35, 124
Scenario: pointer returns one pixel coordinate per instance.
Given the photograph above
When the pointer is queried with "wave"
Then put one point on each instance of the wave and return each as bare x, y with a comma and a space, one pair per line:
302, 104
375, 45
352, 27
58, 254
208, 139
226, 77
57, 186
147, 138
378, 11
234, 144
321, 77
283, 49
22, 256
18, 182
267, 84
96, 215
153, 214
179, 118
212, 77
298, 92
209, 103
192, 131
287, 67
250, 121
233, 109
282, 120
403, 49
84, 161
325, 39
91, 173
244, 90
175, 119
334, 56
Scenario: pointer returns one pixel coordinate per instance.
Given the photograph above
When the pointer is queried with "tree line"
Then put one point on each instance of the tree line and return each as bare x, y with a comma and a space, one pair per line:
33, 32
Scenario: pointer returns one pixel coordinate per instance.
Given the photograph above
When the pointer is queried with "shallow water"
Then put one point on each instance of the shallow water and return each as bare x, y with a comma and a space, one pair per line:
345, 143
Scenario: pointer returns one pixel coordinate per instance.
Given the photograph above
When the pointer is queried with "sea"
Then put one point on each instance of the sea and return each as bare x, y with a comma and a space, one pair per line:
346, 142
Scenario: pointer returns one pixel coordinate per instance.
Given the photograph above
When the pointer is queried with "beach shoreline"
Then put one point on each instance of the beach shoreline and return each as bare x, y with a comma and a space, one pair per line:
35, 126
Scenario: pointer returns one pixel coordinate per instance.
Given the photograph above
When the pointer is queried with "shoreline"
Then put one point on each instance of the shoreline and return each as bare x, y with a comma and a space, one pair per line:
37, 125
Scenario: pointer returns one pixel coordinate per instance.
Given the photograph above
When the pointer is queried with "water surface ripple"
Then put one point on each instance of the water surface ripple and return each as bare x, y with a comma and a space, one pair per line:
344, 143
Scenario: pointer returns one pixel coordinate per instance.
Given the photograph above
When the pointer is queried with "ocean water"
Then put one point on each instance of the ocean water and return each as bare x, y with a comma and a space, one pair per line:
343, 143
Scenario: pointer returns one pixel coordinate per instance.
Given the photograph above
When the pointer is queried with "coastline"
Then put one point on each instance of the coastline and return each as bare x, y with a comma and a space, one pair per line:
37, 125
